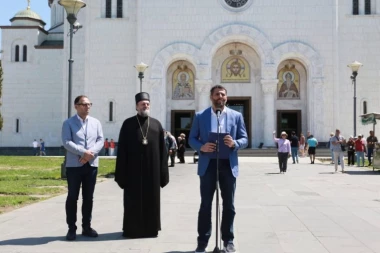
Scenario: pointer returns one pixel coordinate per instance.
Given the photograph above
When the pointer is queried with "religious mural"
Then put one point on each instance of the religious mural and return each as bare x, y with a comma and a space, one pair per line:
183, 84
288, 83
235, 70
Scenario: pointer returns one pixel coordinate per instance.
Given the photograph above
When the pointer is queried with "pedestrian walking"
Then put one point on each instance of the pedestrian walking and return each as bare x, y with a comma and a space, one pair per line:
284, 150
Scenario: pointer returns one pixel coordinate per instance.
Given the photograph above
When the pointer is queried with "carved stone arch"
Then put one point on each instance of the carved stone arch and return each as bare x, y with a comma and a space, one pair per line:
302, 52
170, 54
237, 33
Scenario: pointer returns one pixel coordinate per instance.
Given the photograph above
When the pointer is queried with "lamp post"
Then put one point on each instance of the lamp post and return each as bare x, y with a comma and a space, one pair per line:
355, 66
72, 8
141, 68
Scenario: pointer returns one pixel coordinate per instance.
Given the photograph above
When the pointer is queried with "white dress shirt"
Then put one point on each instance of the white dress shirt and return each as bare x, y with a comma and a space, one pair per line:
222, 121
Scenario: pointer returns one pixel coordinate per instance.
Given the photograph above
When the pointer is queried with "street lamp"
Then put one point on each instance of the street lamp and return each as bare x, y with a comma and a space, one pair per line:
72, 8
141, 68
355, 66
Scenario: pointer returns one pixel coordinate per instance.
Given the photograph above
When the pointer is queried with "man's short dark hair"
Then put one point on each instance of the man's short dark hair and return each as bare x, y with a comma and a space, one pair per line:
218, 86
78, 98
293, 133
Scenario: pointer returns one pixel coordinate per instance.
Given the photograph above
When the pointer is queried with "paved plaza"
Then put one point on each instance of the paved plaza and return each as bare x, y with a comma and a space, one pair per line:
307, 210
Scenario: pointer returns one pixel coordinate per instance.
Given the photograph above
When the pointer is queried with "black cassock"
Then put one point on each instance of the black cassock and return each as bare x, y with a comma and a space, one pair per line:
141, 170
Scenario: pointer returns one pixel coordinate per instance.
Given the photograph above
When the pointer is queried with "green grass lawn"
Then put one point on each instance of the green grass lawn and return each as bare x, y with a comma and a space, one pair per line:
27, 179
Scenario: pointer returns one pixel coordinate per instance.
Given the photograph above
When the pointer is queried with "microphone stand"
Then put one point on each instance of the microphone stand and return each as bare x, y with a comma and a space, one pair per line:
217, 243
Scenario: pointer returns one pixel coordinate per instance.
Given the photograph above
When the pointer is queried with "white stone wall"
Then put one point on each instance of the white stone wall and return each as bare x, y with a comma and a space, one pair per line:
31, 92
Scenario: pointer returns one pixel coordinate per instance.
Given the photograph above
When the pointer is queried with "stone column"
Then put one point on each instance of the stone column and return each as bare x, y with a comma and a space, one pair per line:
269, 88
317, 121
203, 88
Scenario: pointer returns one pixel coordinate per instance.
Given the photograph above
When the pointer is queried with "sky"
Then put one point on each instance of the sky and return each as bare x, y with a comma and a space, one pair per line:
8, 8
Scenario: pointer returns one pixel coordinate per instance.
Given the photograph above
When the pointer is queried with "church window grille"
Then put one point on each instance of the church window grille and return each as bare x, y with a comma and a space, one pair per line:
367, 7
17, 125
25, 53
119, 13
17, 53
108, 8
355, 7
364, 107
110, 116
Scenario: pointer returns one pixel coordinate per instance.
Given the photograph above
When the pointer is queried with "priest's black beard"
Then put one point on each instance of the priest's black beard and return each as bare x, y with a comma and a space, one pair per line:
144, 114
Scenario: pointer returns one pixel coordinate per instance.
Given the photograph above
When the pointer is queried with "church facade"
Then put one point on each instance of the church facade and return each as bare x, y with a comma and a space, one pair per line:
284, 64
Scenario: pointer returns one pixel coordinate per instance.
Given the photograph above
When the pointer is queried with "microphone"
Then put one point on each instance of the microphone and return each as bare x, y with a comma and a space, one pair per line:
218, 112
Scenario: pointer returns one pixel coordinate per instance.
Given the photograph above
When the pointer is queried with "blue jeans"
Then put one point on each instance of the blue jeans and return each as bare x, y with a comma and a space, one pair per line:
85, 175
359, 155
227, 184
294, 154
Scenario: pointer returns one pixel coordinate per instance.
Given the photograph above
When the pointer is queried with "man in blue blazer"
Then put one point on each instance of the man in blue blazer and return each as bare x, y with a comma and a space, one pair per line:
82, 137
232, 123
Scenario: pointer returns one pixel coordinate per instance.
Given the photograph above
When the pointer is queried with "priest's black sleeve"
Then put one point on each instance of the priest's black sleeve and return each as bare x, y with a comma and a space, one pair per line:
164, 170
121, 159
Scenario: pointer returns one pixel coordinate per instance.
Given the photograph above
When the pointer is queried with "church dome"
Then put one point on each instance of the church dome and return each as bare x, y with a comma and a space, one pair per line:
27, 18
28, 13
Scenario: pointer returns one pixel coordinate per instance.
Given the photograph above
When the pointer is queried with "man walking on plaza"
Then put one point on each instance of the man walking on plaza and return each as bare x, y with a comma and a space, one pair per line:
82, 137
231, 123
371, 142
312, 143
338, 142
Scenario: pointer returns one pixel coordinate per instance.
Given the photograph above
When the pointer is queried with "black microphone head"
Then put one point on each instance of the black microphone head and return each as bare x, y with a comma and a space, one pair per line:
218, 111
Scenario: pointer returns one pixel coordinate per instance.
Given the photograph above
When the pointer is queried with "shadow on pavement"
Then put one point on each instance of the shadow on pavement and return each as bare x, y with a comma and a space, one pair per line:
272, 173
363, 173
44, 240
179, 251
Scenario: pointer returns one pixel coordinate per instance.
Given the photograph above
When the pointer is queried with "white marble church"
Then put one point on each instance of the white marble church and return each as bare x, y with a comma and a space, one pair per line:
284, 64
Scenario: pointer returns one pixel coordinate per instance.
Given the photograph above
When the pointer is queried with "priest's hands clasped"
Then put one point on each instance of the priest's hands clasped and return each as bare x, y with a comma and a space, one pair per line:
211, 147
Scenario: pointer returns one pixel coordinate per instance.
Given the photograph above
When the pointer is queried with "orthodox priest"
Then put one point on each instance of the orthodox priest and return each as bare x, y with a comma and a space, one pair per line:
141, 169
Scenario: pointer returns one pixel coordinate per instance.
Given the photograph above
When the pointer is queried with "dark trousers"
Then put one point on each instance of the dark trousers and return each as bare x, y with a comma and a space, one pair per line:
172, 157
283, 160
369, 153
106, 151
351, 157
77, 176
227, 184
181, 156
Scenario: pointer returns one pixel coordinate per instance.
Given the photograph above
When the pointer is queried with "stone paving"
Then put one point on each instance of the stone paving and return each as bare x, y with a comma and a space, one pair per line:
308, 209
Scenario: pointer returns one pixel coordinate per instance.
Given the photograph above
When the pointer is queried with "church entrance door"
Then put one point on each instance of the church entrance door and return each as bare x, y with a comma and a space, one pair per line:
181, 123
242, 105
288, 121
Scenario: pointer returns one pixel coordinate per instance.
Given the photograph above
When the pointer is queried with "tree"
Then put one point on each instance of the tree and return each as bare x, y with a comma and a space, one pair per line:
1, 92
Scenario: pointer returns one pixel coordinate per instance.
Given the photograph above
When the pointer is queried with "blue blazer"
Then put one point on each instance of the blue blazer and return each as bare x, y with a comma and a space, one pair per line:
76, 141
199, 136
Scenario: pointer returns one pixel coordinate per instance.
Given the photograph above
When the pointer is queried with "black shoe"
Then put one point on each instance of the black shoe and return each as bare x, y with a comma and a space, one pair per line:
88, 231
201, 248
229, 247
294, 163
71, 235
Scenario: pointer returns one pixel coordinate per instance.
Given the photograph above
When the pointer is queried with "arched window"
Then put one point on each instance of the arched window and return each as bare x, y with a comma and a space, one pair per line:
119, 13
110, 115
24, 53
108, 8
17, 125
17, 53
364, 107
367, 7
355, 7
